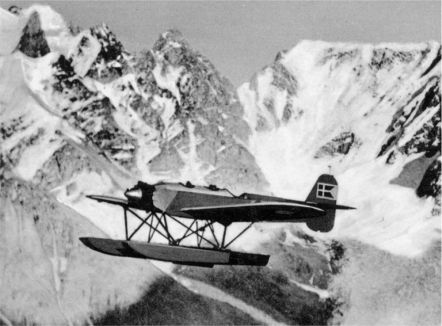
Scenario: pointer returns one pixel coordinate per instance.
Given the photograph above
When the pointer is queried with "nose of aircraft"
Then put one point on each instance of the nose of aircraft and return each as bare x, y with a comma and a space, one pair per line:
135, 194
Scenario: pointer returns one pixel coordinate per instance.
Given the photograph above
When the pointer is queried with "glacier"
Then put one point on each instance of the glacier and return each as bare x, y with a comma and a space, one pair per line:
338, 89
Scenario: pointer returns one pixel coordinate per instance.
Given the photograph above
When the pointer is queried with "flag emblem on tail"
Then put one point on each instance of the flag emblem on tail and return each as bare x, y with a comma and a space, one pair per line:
326, 191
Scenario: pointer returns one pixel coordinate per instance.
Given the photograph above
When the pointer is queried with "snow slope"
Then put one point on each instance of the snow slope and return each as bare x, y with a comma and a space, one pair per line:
10, 31
331, 107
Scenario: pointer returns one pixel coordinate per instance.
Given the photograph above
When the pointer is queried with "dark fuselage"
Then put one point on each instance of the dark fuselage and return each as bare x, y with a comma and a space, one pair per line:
220, 205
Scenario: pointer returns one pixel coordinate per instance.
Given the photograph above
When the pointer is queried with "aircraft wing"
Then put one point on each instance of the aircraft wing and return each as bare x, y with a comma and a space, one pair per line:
260, 211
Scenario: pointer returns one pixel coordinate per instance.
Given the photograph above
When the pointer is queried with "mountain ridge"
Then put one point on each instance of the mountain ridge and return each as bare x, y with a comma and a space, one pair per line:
90, 117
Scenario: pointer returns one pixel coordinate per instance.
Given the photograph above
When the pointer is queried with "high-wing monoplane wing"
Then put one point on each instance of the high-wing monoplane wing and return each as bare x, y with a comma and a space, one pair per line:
254, 212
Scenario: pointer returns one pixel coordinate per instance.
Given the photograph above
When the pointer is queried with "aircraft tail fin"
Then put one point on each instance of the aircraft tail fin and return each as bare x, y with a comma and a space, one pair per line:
325, 194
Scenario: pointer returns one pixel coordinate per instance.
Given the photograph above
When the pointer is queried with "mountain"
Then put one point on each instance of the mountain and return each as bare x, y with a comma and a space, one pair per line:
368, 113
371, 115
79, 114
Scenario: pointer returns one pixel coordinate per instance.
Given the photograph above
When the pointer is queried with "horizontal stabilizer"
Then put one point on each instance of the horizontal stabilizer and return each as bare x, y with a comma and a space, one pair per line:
334, 206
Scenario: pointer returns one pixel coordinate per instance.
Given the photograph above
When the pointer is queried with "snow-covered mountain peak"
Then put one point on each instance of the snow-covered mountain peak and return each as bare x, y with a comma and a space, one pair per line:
167, 112
170, 38
198, 107
53, 26
381, 55
112, 61
51, 21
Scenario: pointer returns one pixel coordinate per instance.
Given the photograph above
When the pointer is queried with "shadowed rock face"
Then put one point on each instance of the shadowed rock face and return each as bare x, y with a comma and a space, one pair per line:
340, 145
426, 139
271, 291
33, 42
205, 113
169, 303
160, 113
112, 55
430, 185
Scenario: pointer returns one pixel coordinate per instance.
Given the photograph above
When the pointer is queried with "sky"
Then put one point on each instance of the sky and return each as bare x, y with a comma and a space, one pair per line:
241, 37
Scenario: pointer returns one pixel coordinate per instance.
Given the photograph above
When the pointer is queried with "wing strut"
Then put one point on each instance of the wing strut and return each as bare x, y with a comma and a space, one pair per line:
158, 224
238, 235
125, 222
199, 232
152, 231
210, 248
214, 234
144, 221
224, 236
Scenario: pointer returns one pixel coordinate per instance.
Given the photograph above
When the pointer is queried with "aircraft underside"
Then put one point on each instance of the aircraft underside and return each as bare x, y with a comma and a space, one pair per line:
205, 247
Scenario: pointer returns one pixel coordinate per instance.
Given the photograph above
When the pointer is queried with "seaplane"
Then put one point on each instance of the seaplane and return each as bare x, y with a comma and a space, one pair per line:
192, 221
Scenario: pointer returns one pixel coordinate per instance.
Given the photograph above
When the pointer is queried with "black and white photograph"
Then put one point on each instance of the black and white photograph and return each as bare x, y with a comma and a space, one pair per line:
220, 162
